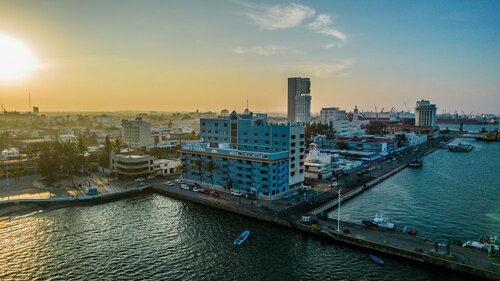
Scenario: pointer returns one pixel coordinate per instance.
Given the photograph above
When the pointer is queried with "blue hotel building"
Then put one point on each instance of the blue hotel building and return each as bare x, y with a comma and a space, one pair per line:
247, 153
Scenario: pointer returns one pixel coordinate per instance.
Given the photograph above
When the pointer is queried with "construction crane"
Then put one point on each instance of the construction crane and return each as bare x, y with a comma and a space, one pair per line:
407, 108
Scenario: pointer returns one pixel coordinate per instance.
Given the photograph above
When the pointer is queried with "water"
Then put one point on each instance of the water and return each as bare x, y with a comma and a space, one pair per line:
453, 196
151, 237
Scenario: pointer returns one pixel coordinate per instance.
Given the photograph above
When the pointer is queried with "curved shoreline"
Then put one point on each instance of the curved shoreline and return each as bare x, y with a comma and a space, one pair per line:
17, 207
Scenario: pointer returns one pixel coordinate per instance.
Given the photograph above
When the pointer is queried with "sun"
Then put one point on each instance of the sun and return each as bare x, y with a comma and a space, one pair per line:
16, 60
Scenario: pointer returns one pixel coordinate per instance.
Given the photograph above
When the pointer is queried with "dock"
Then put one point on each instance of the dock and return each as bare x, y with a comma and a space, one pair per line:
472, 262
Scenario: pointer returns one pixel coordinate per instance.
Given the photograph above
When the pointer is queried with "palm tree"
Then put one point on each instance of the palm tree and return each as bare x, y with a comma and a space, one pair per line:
210, 167
118, 145
197, 165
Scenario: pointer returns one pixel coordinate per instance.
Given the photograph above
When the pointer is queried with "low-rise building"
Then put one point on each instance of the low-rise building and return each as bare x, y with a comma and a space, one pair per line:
166, 166
67, 138
132, 165
10, 153
317, 165
383, 146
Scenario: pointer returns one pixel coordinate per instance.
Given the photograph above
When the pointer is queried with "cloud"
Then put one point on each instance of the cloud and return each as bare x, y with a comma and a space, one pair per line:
277, 16
325, 69
322, 24
263, 50
332, 45
323, 20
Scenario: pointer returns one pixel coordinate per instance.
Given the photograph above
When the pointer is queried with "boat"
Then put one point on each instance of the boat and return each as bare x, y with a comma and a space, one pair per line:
489, 136
443, 145
460, 147
243, 236
377, 259
381, 221
418, 161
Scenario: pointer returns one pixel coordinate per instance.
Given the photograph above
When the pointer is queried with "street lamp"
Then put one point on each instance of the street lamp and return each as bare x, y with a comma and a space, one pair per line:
338, 211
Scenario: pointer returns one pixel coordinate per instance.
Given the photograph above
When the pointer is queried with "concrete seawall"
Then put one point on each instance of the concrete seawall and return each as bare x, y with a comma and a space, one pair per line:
19, 205
423, 257
225, 205
356, 191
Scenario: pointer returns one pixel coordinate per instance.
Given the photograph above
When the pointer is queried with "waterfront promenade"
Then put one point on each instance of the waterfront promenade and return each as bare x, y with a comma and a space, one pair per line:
418, 249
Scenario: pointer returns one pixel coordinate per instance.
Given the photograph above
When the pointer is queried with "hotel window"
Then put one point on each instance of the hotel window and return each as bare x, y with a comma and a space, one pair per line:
283, 135
266, 134
255, 134
245, 133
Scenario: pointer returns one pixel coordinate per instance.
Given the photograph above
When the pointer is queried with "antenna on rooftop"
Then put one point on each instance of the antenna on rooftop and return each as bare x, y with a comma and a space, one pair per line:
29, 99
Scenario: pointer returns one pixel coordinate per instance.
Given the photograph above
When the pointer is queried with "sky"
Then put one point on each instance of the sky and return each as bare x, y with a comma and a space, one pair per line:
209, 55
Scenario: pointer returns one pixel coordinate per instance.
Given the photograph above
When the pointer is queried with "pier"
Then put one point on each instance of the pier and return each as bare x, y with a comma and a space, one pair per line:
475, 263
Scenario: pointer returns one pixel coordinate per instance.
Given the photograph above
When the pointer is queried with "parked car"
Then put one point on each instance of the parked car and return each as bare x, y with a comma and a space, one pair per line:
334, 184
307, 188
179, 181
185, 186
139, 179
151, 177
169, 183
214, 193
236, 193
288, 195
204, 191
196, 189
250, 196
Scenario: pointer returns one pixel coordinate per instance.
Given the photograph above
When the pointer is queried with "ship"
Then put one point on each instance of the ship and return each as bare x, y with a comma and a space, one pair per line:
460, 147
418, 161
381, 221
483, 119
403, 117
489, 136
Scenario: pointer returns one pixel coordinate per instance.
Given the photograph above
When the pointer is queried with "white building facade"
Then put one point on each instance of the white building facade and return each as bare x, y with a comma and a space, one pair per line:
137, 133
425, 113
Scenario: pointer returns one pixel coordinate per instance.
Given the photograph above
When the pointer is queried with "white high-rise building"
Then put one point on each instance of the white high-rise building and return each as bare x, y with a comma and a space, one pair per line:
137, 133
425, 113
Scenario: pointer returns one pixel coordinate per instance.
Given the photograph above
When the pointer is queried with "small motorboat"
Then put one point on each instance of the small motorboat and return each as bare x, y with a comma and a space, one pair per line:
377, 259
243, 236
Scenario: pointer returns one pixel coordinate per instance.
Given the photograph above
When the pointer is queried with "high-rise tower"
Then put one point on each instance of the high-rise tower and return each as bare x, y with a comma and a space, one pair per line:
299, 99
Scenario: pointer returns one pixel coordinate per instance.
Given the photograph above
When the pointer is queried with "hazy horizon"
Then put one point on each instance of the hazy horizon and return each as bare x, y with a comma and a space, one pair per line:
185, 55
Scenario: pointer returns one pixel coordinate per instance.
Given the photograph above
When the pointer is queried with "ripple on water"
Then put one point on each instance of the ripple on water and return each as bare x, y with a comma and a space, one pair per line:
152, 237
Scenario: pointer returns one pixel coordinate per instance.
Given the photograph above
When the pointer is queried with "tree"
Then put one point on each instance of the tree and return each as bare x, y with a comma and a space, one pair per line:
117, 146
210, 167
81, 151
197, 165
106, 153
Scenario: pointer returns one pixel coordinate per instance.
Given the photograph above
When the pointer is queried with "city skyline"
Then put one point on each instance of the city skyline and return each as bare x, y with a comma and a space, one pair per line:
183, 56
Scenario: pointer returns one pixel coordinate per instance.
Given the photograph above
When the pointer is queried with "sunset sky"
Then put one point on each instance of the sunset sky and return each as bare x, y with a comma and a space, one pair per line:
210, 55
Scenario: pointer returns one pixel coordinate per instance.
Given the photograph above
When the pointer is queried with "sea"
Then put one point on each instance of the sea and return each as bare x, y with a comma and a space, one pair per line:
152, 237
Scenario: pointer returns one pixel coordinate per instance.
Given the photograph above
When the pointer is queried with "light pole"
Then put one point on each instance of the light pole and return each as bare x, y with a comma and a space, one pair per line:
338, 212
7, 180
